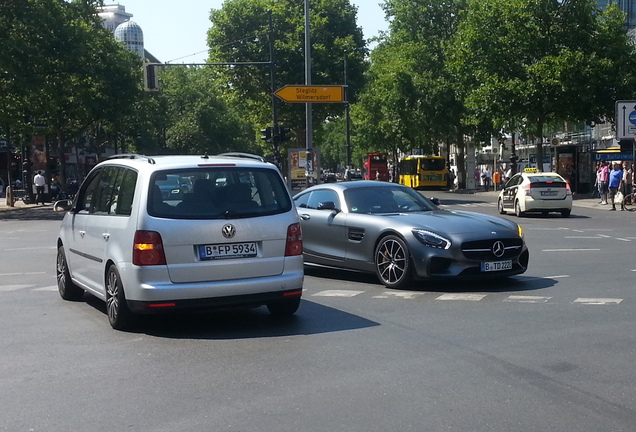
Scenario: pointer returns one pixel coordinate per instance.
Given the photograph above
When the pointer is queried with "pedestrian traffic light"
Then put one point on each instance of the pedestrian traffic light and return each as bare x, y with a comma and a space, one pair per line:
284, 134
267, 135
151, 81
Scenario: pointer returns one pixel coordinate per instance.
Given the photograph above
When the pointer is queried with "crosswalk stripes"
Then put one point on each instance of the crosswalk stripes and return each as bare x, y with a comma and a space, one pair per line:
401, 295
469, 205
470, 297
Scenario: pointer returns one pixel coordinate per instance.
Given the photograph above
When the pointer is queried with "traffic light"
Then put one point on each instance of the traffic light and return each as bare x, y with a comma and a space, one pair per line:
151, 81
284, 134
267, 135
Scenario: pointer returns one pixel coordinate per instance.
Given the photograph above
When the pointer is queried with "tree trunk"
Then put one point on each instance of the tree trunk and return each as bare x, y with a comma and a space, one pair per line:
540, 145
460, 162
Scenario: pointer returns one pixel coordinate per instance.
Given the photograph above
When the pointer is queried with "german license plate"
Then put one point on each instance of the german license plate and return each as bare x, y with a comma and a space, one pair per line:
228, 250
548, 193
496, 266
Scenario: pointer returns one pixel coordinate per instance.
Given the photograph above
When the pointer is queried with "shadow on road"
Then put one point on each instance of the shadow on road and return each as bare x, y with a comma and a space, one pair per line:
311, 318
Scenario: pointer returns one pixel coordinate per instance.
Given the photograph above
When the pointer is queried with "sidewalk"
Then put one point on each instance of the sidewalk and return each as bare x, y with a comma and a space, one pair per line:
21, 205
583, 200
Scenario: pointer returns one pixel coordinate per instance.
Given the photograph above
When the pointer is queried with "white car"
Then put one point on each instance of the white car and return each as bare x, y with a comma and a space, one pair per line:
233, 240
536, 192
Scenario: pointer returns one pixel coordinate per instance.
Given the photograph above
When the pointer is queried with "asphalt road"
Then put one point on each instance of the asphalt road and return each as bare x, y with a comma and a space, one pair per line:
550, 350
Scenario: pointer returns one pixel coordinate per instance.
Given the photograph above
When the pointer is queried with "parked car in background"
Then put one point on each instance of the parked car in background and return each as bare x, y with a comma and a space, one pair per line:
535, 192
398, 234
233, 240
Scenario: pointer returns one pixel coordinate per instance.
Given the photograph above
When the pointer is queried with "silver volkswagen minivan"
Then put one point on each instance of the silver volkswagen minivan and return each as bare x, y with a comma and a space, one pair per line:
232, 239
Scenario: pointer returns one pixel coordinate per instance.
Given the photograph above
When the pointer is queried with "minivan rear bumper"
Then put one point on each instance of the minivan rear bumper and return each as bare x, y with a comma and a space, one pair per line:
159, 289
211, 303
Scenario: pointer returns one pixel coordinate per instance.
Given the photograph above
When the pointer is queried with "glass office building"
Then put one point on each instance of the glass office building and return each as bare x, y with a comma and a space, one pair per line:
627, 6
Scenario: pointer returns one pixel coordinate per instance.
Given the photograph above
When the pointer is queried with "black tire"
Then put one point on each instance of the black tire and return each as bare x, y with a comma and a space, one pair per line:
393, 262
500, 206
67, 289
119, 316
284, 307
518, 211
566, 213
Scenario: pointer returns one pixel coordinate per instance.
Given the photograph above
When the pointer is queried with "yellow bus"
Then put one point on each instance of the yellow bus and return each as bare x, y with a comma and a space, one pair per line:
419, 171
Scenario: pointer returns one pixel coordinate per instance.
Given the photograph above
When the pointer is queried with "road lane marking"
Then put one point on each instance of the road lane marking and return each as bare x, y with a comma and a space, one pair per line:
527, 299
582, 237
463, 297
337, 293
404, 295
13, 287
597, 301
21, 274
570, 250
48, 288
31, 248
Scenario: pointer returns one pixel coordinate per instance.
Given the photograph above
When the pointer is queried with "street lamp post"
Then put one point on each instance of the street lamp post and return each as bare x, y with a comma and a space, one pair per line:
347, 116
308, 111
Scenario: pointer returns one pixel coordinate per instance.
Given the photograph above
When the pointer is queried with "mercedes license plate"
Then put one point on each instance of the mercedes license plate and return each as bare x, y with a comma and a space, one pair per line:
228, 250
496, 266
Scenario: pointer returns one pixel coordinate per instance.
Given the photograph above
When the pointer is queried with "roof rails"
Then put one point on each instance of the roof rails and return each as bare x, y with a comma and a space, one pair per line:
132, 156
243, 155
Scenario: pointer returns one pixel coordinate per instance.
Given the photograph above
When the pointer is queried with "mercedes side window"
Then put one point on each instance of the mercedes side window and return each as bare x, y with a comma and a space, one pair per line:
322, 196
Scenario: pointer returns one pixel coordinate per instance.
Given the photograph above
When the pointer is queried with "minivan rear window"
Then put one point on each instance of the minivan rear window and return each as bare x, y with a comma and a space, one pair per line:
217, 193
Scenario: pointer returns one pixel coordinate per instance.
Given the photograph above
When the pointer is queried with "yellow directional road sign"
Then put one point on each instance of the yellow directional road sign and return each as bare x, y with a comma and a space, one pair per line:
311, 94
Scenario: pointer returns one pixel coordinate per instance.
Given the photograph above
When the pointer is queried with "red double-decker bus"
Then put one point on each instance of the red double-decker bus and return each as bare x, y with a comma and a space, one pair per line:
376, 166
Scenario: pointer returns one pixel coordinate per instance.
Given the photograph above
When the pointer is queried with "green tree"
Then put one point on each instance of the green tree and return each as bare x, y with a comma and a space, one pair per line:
198, 119
64, 69
411, 100
534, 62
240, 33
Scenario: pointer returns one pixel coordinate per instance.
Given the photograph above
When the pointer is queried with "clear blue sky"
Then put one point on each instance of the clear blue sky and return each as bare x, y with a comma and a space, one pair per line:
175, 31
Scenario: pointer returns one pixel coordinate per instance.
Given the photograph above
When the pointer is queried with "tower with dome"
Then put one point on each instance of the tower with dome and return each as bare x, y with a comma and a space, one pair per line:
116, 19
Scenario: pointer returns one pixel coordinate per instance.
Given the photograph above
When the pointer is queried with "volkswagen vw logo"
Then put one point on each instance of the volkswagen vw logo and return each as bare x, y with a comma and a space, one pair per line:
229, 231
498, 249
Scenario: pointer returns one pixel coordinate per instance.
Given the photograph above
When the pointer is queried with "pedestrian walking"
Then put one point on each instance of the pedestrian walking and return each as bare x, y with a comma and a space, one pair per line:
597, 183
604, 179
487, 177
627, 183
615, 183
39, 181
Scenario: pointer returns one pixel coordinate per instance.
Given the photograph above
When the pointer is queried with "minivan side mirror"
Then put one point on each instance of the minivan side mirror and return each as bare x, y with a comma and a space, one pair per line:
63, 205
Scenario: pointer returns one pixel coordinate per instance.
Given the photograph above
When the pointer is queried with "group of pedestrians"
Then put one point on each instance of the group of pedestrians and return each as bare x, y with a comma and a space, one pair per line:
615, 183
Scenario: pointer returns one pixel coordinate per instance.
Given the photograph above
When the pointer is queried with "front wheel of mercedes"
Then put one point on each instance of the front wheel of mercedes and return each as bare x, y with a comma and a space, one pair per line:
393, 262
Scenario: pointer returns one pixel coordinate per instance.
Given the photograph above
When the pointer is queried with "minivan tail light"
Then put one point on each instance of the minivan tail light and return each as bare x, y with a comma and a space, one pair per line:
148, 249
294, 244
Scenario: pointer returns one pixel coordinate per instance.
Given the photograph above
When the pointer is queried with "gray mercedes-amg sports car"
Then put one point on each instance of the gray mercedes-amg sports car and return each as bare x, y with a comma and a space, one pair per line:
400, 235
